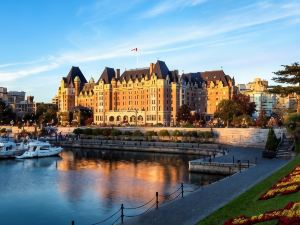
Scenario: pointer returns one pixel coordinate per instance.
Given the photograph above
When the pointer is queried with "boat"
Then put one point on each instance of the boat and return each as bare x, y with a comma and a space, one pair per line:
9, 149
40, 149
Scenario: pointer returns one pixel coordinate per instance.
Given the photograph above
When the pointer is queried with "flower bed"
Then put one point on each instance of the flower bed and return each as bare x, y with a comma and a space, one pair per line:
290, 215
288, 184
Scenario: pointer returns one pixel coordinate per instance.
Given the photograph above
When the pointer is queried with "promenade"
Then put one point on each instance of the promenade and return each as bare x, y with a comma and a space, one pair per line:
199, 204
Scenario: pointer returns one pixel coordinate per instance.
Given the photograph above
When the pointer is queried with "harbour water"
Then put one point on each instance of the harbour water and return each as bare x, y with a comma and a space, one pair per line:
87, 185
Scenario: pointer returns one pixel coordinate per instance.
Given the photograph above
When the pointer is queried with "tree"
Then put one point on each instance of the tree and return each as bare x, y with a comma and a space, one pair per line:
226, 110
289, 75
244, 106
184, 114
6, 113
272, 141
262, 119
45, 114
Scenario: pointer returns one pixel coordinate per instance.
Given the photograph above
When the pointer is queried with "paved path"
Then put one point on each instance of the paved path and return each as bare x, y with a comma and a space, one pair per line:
201, 203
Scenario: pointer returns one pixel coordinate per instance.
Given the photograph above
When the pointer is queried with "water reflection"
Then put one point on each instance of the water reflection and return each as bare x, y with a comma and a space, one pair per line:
87, 185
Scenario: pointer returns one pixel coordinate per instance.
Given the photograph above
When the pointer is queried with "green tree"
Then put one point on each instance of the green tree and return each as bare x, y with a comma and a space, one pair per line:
226, 110
244, 106
289, 75
262, 119
45, 114
6, 113
272, 141
184, 114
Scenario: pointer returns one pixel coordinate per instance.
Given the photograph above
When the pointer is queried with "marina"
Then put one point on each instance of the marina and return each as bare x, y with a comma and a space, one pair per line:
87, 185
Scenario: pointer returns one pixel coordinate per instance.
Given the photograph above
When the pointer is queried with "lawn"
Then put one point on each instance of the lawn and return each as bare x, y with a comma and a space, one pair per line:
248, 203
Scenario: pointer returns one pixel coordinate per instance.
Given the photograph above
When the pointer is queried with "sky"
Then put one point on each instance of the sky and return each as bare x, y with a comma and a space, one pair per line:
41, 40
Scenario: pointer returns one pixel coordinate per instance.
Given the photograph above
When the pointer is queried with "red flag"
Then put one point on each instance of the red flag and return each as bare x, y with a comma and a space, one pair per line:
134, 50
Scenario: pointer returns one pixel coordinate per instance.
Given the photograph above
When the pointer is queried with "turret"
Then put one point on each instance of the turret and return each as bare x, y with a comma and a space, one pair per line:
77, 83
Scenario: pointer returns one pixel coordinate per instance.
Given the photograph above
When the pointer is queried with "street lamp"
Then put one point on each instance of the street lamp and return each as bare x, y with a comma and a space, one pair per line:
136, 111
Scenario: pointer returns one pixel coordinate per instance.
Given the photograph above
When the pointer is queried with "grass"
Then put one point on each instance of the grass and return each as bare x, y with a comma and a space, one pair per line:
248, 203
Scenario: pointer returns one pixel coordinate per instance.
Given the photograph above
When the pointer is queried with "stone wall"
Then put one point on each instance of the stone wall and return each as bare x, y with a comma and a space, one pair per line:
244, 137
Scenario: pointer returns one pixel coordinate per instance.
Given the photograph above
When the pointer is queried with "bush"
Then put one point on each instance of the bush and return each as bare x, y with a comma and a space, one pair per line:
115, 132
163, 133
205, 134
137, 133
127, 133
78, 131
177, 133
191, 134
88, 131
97, 131
106, 132
150, 133
272, 141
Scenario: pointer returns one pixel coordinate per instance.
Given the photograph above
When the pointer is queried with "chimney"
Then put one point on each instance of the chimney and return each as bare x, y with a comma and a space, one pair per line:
117, 74
151, 68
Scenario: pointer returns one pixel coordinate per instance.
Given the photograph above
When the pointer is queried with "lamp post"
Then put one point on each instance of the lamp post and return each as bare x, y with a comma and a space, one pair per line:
136, 111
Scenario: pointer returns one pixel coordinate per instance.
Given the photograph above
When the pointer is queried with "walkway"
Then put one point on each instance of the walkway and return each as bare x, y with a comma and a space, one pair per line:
201, 203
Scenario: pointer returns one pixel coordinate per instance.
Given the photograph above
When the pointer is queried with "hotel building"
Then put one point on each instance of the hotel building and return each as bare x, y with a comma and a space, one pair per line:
151, 95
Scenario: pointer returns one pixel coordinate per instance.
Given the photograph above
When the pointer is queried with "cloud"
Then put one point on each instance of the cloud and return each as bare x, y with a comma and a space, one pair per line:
43, 59
170, 5
165, 40
100, 11
14, 75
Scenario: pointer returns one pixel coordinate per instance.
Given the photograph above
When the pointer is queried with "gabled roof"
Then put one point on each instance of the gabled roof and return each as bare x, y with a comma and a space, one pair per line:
213, 76
192, 78
161, 69
135, 74
107, 75
75, 71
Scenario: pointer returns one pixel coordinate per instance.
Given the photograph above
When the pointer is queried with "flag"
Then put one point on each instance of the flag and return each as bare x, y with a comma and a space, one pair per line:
134, 50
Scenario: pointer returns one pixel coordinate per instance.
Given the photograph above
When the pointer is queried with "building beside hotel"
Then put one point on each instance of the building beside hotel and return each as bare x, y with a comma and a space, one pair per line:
151, 95
3, 94
264, 101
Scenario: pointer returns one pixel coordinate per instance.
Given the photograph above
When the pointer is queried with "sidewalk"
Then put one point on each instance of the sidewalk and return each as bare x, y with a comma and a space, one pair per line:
203, 202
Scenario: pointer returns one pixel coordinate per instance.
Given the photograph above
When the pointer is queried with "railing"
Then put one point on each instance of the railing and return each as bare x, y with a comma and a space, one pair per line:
128, 212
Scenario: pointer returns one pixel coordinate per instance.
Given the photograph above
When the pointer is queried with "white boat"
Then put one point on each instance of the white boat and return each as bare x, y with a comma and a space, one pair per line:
9, 149
40, 149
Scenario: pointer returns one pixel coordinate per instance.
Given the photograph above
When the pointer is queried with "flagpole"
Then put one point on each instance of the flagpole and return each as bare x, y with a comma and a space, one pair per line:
137, 56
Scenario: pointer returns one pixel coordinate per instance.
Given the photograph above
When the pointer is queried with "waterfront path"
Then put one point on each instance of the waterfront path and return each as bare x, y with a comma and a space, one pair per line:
199, 204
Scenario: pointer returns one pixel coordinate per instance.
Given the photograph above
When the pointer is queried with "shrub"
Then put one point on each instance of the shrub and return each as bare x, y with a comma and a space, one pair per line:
78, 131
106, 132
163, 133
97, 131
115, 132
88, 131
272, 141
150, 133
137, 133
177, 133
127, 133
191, 134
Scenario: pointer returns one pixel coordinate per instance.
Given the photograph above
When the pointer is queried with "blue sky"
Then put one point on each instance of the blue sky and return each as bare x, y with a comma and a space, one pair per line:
41, 40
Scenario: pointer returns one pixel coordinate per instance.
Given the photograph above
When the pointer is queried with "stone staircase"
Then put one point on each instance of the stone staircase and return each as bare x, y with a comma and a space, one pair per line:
285, 149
